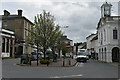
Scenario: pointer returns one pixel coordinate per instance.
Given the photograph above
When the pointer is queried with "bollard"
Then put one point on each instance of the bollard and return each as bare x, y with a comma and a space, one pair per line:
69, 62
63, 63
21, 61
30, 62
47, 63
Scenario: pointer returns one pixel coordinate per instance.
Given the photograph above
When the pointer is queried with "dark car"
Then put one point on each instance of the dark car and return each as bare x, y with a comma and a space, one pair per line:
24, 58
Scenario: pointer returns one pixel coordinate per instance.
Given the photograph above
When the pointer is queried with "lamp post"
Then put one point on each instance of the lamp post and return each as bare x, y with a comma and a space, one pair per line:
37, 53
37, 47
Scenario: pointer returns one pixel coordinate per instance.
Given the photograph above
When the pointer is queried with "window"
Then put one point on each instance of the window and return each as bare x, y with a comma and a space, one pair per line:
25, 33
114, 34
105, 54
104, 35
7, 45
3, 44
11, 42
102, 53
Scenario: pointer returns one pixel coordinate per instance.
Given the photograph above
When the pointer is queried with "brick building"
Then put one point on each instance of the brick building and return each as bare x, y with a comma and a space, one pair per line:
19, 25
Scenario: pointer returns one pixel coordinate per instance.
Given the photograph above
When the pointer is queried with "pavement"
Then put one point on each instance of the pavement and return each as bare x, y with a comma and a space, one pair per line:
111, 63
68, 62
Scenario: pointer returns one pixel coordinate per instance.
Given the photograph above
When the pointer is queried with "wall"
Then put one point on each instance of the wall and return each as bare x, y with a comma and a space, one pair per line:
107, 39
0, 39
89, 46
15, 25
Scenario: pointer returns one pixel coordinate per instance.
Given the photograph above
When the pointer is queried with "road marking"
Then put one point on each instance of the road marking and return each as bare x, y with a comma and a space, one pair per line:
79, 65
76, 65
79, 75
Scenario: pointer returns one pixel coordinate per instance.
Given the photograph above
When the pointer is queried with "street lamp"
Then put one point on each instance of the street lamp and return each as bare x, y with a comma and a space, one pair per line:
65, 26
37, 47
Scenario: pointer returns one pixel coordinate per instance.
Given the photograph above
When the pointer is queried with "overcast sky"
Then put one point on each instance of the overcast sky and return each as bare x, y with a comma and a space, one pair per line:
81, 17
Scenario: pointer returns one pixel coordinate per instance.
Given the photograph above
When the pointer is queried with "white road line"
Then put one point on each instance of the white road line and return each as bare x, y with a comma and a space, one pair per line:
79, 75
81, 64
76, 65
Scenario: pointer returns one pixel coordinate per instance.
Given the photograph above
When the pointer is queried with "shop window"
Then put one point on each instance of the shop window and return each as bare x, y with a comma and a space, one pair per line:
7, 45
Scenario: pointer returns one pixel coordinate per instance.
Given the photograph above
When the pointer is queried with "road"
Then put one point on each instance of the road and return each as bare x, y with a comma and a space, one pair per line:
91, 69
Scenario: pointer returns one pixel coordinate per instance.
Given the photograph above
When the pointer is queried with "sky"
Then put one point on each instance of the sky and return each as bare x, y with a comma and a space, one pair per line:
81, 16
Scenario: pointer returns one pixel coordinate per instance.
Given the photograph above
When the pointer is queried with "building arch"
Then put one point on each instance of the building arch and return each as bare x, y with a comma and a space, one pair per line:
115, 54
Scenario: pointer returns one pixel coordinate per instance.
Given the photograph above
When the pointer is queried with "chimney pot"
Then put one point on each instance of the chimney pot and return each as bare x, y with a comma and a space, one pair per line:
19, 12
6, 13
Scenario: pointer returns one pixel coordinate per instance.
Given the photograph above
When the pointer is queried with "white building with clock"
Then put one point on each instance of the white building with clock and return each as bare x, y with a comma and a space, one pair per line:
108, 35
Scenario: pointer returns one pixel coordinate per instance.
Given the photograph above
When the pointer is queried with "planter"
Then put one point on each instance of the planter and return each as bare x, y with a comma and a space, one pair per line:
44, 61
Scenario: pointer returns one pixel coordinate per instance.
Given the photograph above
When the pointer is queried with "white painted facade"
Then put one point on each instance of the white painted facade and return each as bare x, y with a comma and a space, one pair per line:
7, 37
0, 38
106, 42
89, 44
105, 39
94, 45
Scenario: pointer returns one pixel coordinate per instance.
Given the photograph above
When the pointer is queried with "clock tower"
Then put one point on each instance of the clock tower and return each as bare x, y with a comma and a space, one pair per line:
106, 10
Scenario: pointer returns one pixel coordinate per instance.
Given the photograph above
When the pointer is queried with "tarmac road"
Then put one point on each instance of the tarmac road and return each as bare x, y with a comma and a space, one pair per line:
91, 69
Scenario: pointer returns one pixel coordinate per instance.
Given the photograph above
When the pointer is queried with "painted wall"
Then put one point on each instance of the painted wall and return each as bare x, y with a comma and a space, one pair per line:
0, 39
105, 35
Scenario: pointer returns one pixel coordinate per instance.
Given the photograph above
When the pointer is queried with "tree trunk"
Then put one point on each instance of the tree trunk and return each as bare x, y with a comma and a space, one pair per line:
53, 54
44, 51
59, 53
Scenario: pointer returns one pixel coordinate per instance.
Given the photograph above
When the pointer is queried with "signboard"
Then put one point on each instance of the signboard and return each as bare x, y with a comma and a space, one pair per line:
26, 45
68, 46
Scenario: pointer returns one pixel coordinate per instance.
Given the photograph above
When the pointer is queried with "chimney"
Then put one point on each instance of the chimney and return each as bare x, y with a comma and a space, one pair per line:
6, 13
19, 12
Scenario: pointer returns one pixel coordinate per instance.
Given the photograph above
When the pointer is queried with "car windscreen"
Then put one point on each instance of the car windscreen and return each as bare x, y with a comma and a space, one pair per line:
81, 53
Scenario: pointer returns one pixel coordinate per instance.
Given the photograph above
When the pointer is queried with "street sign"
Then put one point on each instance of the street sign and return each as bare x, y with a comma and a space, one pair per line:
68, 46
26, 45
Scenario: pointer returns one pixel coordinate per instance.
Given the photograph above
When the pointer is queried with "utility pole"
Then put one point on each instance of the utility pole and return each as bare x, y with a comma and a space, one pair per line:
37, 52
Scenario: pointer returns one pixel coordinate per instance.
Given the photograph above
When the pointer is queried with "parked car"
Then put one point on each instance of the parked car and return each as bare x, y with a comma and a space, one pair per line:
25, 58
87, 57
34, 54
74, 56
67, 55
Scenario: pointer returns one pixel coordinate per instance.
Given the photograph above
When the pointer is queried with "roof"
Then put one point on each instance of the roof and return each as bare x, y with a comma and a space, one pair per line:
65, 38
106, 4
90, 35
110, 18
15, 17
94, 38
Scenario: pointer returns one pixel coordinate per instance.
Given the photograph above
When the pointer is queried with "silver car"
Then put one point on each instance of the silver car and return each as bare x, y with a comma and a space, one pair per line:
35, 55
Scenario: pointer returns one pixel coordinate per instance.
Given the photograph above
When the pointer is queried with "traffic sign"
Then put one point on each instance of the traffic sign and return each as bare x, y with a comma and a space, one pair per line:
68, 46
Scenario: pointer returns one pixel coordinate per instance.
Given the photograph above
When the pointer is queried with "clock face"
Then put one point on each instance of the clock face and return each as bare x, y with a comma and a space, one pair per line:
107, 13
107, 8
